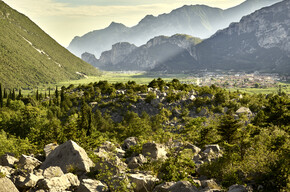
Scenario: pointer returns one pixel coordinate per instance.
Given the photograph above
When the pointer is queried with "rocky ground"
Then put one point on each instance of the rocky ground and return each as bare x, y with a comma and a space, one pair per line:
67, 167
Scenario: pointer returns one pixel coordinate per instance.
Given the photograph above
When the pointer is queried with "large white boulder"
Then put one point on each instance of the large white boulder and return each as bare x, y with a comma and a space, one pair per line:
69, 155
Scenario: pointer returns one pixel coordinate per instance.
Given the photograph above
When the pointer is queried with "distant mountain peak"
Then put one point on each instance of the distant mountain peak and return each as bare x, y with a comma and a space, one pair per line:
116, 25
196, 20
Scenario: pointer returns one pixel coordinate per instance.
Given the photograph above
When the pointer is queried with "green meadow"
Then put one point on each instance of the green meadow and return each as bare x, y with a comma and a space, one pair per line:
144, 78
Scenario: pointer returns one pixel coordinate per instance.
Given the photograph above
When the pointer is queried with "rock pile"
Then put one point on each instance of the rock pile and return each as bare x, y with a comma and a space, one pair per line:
68, 168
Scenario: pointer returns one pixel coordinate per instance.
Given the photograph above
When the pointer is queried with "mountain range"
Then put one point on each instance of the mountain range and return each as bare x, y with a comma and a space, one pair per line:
259, 42
28, 56
195, 20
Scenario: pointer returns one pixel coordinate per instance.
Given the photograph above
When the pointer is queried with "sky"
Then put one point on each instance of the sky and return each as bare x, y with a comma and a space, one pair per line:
65, 19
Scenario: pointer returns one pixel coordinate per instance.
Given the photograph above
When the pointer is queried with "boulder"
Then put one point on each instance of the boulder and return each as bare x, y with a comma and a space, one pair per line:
52, 171
183, 186
135, 162
154, 151
193, 148
129, 142
7, 160
215, 148
5, 171
243, 110
61, 183
69, 155
7, 185
107, 146
210, 184
180, 186
49, 148
29, 182
142, 182
90, 185
108, 161
28, 163
237, 188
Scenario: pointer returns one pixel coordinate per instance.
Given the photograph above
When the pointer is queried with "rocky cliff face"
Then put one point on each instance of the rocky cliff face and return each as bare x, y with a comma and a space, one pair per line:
259, 41
162, 49
195, 20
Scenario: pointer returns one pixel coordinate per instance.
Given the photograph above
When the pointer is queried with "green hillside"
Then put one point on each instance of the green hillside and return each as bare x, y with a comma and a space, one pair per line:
28, 56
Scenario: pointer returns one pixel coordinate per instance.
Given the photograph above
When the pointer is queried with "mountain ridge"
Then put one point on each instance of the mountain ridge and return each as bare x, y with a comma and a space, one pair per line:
260, 41
196, 20
29, 56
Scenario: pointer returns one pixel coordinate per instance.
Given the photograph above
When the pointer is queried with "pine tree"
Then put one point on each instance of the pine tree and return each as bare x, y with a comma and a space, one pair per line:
19, 94
5, 94
8, 102
1, 96
37, 95
228, 128
62, 96
56, 96
13, 95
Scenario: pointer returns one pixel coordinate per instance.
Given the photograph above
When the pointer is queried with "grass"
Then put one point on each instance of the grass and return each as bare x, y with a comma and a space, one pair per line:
144, 78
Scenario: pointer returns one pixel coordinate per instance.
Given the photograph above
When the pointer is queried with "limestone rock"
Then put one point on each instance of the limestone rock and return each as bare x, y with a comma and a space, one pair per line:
52, 171
143, 183
194, 148
90, 185
154, 151
69, 154
28, 163
7, 185
4, 171
243, 110
29, 182
49, 148
109, 161
237, 188
209, 184
135, 162
7, 160
215, 148
180, 186
129, 142
59, 184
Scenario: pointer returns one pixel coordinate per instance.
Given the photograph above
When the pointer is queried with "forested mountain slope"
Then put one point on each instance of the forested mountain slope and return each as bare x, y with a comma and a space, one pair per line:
28, 56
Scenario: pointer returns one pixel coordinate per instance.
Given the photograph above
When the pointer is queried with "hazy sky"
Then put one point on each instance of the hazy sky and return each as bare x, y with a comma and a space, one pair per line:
64, 19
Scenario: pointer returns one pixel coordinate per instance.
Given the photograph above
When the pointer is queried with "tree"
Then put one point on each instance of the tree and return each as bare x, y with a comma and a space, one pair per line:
5, 94
62, 95
13, 95
1, 96
19, 94
228, 128
37, 95
56, 96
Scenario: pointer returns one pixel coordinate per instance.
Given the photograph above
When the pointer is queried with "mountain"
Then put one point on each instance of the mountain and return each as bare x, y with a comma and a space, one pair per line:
259, 42
28, 56
195, 20
161, 49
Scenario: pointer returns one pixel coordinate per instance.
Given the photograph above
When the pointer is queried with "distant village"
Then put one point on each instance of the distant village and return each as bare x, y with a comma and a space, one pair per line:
237, 80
